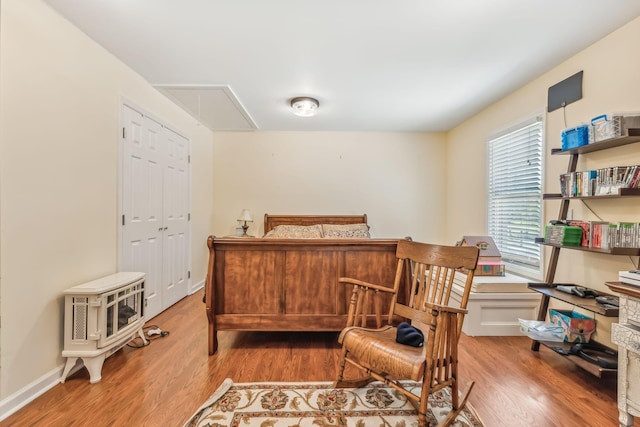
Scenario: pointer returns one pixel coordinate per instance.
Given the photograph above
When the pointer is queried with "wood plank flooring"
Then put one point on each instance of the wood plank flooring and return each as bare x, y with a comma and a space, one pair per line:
164, 383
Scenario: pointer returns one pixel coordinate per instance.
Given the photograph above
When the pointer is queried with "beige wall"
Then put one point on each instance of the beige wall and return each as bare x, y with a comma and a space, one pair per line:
59, 172
397, 179
59, 154
610, 85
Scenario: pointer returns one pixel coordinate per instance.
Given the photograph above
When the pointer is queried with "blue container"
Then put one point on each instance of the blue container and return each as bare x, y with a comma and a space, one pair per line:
575, 137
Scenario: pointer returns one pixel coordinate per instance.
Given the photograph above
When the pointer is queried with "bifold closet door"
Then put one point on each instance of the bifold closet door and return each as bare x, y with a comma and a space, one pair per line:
176, 218
155, 198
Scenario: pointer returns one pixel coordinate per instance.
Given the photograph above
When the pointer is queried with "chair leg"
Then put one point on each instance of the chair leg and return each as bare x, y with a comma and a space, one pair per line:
352, 383
455, 411
339, 382
355, 383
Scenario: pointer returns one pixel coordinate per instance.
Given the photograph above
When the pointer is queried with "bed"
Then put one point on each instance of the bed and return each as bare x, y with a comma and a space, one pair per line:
285, 283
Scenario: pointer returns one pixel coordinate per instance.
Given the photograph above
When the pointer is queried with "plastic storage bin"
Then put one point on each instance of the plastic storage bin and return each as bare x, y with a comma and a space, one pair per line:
607, 126
575, 137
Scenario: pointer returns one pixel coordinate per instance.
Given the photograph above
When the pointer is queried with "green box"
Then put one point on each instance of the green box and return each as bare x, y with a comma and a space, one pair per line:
566, 235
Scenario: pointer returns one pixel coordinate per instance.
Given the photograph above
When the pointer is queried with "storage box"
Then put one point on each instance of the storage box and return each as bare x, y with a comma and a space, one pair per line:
608, 126
575, 137
576, 327
490, 269
565, 235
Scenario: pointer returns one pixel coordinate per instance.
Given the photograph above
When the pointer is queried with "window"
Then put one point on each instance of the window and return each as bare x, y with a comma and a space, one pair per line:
515, 196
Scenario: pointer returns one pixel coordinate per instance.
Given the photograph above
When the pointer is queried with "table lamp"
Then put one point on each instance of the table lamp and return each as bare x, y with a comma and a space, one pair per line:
243, 219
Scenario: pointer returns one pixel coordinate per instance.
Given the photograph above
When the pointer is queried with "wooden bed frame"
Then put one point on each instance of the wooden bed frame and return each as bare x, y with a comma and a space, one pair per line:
267, 284
272, 221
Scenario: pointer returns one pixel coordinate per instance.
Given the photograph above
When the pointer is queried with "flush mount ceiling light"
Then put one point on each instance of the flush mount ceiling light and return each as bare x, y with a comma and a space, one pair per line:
304, 106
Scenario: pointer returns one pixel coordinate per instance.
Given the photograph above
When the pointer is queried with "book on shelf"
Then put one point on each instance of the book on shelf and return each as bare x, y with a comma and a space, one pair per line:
599, 234
604, 181
584, 241
577, 184
490, 268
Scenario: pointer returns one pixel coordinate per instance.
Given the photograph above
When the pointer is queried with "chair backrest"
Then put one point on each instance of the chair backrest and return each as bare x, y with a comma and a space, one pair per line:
433, 270
428, 270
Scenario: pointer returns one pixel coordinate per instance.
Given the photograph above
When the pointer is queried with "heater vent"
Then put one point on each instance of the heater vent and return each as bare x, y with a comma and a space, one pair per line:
80, 307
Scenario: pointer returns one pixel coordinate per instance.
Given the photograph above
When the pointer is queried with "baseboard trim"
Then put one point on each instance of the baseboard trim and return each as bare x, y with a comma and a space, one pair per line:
30, 392
195, 288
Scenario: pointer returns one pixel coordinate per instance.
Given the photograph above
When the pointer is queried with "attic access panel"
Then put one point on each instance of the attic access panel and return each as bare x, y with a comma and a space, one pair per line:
215, 106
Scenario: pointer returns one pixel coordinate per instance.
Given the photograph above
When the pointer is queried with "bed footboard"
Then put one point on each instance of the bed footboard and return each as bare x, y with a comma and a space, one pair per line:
257, 284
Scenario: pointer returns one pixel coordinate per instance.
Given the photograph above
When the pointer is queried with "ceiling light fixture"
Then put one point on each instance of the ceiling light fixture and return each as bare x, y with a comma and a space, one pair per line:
304, 106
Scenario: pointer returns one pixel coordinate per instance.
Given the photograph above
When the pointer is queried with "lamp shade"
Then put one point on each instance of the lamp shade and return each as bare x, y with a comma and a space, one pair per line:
245, 215
304, 106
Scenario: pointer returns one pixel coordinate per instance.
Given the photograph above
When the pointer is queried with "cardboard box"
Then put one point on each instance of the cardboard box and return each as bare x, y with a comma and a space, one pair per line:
576, 327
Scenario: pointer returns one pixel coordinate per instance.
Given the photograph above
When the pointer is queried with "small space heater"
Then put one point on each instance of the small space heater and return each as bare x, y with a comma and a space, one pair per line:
100, 317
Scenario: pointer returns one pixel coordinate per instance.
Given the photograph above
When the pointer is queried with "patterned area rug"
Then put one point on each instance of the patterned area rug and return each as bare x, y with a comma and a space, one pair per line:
319, 404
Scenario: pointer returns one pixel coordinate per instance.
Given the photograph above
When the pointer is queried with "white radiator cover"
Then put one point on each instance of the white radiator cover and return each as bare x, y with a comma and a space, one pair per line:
495, 304
100, 317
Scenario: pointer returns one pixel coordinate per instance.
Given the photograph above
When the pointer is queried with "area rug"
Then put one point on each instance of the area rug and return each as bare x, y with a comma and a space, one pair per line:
319, 404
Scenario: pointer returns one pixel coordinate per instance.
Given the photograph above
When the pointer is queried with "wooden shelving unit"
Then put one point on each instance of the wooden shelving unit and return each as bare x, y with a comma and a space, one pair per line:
601, 145
610, 251
589, 304
621, 192
596, 370
547, 289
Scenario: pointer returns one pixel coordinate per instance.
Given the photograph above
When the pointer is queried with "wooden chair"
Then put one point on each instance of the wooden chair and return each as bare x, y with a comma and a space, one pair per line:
375, 351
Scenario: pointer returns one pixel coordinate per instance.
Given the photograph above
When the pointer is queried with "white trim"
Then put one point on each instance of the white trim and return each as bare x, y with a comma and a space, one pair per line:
30, 392
195, 288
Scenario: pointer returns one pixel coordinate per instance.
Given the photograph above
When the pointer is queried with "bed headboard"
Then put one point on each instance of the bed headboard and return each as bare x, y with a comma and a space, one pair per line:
271, 221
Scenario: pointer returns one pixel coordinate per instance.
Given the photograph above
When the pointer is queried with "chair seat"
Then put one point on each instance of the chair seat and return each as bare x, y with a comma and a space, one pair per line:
377, 349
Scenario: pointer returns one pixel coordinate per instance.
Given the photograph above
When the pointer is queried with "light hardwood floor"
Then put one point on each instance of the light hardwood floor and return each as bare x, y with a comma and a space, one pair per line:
164, 383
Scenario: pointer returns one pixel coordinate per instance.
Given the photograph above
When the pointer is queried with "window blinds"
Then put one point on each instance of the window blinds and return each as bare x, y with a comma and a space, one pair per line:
515, 193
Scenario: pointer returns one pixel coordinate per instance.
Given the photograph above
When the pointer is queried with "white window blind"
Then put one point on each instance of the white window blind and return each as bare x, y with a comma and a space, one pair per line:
515, 194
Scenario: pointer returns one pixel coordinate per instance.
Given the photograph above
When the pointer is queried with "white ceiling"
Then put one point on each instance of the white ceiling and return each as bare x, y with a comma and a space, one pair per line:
374, 65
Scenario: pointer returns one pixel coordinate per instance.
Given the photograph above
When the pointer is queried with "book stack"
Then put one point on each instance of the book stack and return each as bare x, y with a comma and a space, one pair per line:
624, 235
586, 227
631, 277
566, 235
599, 182
599, 234
490, 260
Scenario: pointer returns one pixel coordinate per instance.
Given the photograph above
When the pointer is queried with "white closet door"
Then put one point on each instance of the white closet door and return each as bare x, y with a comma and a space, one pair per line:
142, 203
155, 203
176, 221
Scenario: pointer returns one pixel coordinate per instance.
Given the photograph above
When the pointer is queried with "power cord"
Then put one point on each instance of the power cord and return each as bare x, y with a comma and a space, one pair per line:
151, 332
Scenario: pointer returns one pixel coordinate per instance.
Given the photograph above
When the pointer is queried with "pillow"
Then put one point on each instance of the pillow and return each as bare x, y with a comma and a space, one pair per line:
296, 232
346, 231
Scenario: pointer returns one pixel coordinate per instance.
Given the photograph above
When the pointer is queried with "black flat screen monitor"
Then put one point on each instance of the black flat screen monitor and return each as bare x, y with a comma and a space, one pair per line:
564, 93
